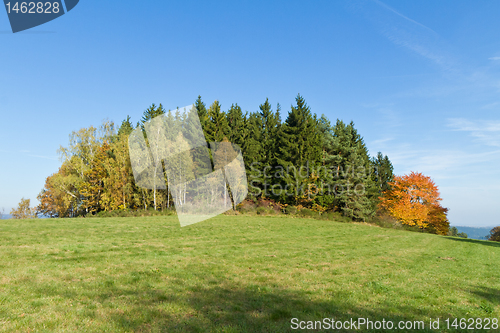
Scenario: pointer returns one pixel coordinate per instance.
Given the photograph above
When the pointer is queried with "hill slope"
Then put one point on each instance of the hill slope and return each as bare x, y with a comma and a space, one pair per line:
234, 274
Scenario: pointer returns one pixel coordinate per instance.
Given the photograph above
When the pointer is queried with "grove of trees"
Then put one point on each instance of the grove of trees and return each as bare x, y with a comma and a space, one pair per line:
304, 161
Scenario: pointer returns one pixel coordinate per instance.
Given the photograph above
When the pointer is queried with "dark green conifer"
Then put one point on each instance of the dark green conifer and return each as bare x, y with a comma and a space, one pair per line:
354, 186
252, 153
236, 121
202, 115
151, 112
299, 150
382, 172
217, 126
126, 127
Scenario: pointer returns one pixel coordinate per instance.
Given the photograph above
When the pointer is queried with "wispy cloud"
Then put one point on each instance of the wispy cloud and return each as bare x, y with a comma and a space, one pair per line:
465, 171
44, 157
484, 132
459, 77
443, 163
389, 118
27, 152
380, 3
490, 105
381, 142
406, 32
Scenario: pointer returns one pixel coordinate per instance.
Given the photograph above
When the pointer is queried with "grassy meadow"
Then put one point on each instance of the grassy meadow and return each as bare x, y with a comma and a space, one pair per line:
234, 274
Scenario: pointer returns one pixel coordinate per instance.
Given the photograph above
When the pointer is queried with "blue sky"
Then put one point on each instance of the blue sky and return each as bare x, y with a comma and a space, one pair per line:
421, 80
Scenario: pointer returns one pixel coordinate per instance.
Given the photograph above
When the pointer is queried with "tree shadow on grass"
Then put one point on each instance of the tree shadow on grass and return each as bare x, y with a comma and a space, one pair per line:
226, 306
233, 308
489, 294
474, 241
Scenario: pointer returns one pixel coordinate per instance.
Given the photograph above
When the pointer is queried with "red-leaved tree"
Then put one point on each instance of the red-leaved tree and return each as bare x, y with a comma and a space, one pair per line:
414, 200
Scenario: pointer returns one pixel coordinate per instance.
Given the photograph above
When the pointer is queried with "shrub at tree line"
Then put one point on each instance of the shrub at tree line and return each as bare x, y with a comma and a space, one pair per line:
495, 234
454, 232
304, 162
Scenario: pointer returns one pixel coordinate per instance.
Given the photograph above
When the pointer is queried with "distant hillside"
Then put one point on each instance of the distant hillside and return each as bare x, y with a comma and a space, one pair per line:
6, 216
475, 233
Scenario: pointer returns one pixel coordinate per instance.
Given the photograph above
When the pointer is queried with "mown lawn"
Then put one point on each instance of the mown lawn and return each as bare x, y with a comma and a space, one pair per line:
234, 274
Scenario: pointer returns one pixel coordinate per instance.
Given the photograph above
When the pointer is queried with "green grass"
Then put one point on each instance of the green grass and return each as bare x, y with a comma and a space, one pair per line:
234, 274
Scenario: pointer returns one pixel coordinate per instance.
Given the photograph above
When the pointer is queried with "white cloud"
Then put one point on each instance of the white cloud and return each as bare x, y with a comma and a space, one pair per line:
26, 152
389, 118
468, 174
45, 157
406, 32
484, 132
490, 105
380, 142
442, 163
401, 15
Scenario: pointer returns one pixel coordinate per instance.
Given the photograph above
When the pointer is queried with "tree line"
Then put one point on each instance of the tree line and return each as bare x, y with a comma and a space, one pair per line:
303, 161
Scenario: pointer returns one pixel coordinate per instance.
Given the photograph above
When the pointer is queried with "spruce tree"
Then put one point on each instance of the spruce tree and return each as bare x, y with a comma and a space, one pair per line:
126, 127
202, 115
300, 142
327, 169
252, 153
270, 123
354, 187
299, 150
151, 112
382, 172
217, 126
236, 121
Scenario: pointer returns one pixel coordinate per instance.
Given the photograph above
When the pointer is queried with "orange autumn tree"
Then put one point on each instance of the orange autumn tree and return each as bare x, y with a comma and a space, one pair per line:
414, 200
